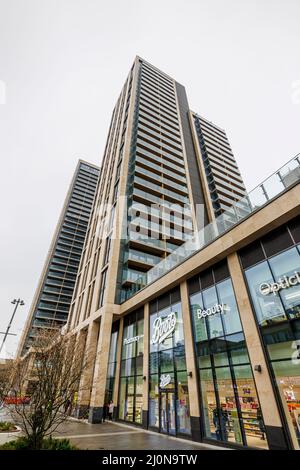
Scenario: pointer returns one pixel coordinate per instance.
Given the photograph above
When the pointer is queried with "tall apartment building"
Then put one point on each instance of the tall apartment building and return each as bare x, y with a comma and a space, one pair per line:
52, 299
191, 337
150, 200
219, 170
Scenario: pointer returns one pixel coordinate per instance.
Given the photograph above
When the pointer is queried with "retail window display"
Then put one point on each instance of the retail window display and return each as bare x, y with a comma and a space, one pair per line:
230, 407
274, 286
169, 409
131, 377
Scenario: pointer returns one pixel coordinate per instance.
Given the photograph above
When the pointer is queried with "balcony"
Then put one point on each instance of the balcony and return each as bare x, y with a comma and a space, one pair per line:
150, 245
163, 215
159, 152
160, 190
149, 174
272, 187
141, 260
159, 166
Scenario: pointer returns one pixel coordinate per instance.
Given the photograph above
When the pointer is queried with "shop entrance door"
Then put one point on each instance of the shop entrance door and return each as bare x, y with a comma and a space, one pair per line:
168, 412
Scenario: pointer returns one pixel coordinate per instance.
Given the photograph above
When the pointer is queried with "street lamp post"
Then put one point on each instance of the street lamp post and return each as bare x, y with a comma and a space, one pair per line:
15, 302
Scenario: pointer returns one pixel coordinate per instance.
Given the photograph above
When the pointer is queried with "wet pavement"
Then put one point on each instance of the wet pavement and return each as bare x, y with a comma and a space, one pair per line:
117, 436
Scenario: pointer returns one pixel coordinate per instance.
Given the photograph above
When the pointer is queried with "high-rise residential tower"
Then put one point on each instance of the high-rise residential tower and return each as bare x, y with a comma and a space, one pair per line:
150, 200
52, 299
187, 299
219, 171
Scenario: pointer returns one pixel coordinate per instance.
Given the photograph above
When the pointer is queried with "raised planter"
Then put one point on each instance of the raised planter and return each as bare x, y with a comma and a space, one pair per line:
10, 436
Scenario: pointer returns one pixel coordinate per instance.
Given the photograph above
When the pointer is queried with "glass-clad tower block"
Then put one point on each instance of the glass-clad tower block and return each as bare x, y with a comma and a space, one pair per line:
52, 299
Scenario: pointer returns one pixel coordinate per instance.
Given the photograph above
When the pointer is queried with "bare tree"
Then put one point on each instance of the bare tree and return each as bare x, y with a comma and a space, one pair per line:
41, 388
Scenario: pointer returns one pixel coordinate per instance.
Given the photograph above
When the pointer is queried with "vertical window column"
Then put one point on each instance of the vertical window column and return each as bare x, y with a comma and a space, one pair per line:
263, 381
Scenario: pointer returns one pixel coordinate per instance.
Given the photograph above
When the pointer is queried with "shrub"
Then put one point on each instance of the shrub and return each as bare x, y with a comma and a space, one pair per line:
57, 444
49, 443
19, 444
5, 426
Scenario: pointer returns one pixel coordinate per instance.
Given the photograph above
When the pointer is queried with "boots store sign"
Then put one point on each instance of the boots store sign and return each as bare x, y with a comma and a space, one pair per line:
163, 328
165, 380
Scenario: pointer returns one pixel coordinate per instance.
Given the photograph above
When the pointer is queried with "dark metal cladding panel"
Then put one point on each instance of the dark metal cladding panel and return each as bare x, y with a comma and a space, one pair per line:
196, 185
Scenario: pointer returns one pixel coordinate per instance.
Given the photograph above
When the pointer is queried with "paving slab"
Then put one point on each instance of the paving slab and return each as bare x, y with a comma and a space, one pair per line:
118, 436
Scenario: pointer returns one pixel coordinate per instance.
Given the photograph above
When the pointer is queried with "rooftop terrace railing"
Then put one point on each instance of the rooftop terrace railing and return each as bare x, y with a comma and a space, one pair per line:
270, 188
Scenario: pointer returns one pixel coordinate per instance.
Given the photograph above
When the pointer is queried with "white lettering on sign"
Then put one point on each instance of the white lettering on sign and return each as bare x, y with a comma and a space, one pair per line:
218, 308
284, 282
163, 328
133, 339
164, 380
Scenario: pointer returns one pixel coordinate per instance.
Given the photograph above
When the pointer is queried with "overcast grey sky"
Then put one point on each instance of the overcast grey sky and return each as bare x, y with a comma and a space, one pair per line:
63, 63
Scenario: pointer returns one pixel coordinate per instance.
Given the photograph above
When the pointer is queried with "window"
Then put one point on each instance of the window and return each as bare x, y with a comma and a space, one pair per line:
107, 251
131, 383
169, 409
230, 406
111, 368
274, 286
102, 287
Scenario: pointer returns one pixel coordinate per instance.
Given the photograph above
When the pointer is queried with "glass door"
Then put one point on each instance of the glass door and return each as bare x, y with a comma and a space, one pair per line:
168, 412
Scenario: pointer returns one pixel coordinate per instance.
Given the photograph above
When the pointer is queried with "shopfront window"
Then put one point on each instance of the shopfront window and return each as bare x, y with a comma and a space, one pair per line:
274, 286
169, 409
229, 402
131, 381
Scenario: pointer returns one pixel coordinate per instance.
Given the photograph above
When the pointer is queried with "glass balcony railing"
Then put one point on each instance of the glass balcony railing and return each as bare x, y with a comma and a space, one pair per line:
158, 137
161, 169
160, 190
146, 114
134, 255
172, 184
154, 213
155, 243
272, 187
161, 151
158, 128
162, 161
164, 230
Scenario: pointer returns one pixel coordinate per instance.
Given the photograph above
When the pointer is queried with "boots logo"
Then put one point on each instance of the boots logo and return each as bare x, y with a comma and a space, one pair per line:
284, 282
163, 328
165, 379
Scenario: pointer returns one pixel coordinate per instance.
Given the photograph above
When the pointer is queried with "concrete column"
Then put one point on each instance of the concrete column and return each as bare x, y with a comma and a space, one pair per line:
100, 371
145, 417
85, 386
190, 363
274, 430
118, 368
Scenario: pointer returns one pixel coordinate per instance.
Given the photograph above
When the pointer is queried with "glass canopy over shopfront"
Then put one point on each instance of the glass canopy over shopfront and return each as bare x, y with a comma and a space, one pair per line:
230, 407
274, 285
